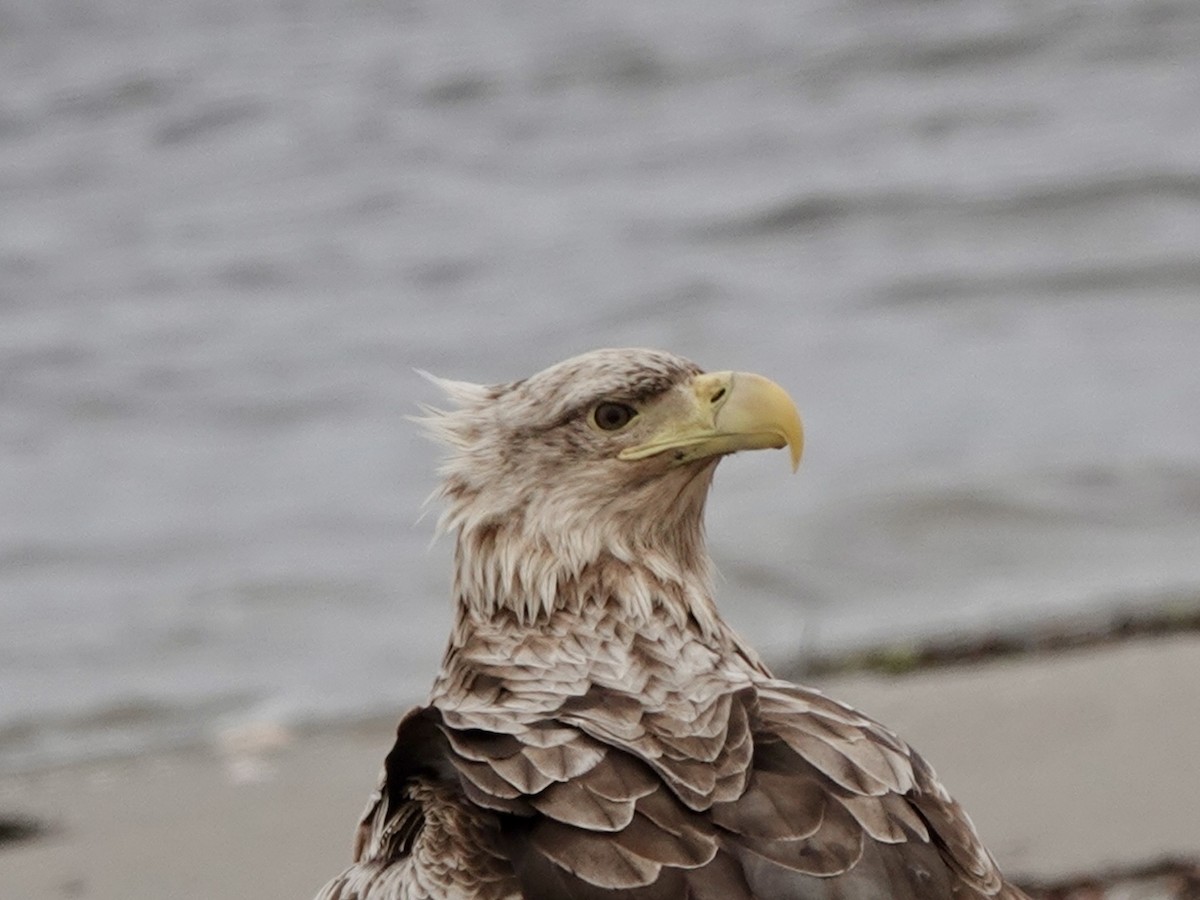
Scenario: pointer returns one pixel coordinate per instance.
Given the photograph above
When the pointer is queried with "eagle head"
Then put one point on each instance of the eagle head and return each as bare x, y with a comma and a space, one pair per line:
602, 461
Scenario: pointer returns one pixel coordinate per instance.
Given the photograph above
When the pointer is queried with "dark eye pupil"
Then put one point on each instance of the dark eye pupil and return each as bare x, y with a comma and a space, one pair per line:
611, 416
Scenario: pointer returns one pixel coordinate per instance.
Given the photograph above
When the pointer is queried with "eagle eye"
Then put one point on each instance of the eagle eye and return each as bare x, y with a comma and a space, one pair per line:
609, 416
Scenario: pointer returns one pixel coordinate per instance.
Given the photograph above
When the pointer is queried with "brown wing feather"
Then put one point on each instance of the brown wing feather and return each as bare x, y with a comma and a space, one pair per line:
420, 836
802, 798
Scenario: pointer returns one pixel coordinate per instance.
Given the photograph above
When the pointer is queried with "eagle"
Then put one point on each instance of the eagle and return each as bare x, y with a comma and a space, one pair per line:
597, 731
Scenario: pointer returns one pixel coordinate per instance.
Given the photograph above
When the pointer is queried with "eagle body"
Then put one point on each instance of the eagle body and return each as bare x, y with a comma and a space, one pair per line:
597, 731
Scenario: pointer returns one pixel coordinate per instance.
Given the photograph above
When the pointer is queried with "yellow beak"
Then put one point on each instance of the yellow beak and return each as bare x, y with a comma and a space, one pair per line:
727, 412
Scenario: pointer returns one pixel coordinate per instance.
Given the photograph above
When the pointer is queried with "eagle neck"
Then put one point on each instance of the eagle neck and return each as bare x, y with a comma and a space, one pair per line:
536, 586
527, 584
641, 550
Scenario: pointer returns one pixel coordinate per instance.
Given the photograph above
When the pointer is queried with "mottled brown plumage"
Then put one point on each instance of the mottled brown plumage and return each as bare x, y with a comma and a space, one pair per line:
597, 732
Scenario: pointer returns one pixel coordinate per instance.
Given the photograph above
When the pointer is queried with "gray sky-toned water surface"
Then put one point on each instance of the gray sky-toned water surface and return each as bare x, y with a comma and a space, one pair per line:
964, 234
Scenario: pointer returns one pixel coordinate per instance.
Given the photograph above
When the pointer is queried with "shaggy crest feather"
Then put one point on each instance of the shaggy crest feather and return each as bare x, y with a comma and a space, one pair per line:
597, 730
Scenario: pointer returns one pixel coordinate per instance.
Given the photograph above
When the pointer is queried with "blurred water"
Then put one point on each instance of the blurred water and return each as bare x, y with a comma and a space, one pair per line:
964, 233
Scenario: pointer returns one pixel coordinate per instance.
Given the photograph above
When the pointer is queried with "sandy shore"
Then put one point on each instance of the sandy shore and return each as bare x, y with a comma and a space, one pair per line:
1067, 764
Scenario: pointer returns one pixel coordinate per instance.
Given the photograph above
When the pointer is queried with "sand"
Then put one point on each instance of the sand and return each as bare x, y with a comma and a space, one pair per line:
1067, 764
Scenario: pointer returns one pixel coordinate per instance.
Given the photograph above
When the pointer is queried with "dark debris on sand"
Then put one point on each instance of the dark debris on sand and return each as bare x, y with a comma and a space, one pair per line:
16, 829
1054, 636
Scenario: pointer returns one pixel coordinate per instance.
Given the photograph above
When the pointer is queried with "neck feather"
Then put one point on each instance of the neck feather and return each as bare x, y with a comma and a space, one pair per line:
531, 554
544, 616
506, 572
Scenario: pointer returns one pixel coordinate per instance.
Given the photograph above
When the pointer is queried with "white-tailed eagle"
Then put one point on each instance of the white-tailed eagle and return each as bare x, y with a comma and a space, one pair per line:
596, 730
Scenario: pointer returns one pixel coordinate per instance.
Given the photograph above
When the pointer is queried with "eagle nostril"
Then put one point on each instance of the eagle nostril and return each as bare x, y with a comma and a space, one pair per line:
716, 398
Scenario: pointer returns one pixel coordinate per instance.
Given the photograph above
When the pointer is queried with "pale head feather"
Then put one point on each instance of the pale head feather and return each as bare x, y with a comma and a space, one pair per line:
543, 510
